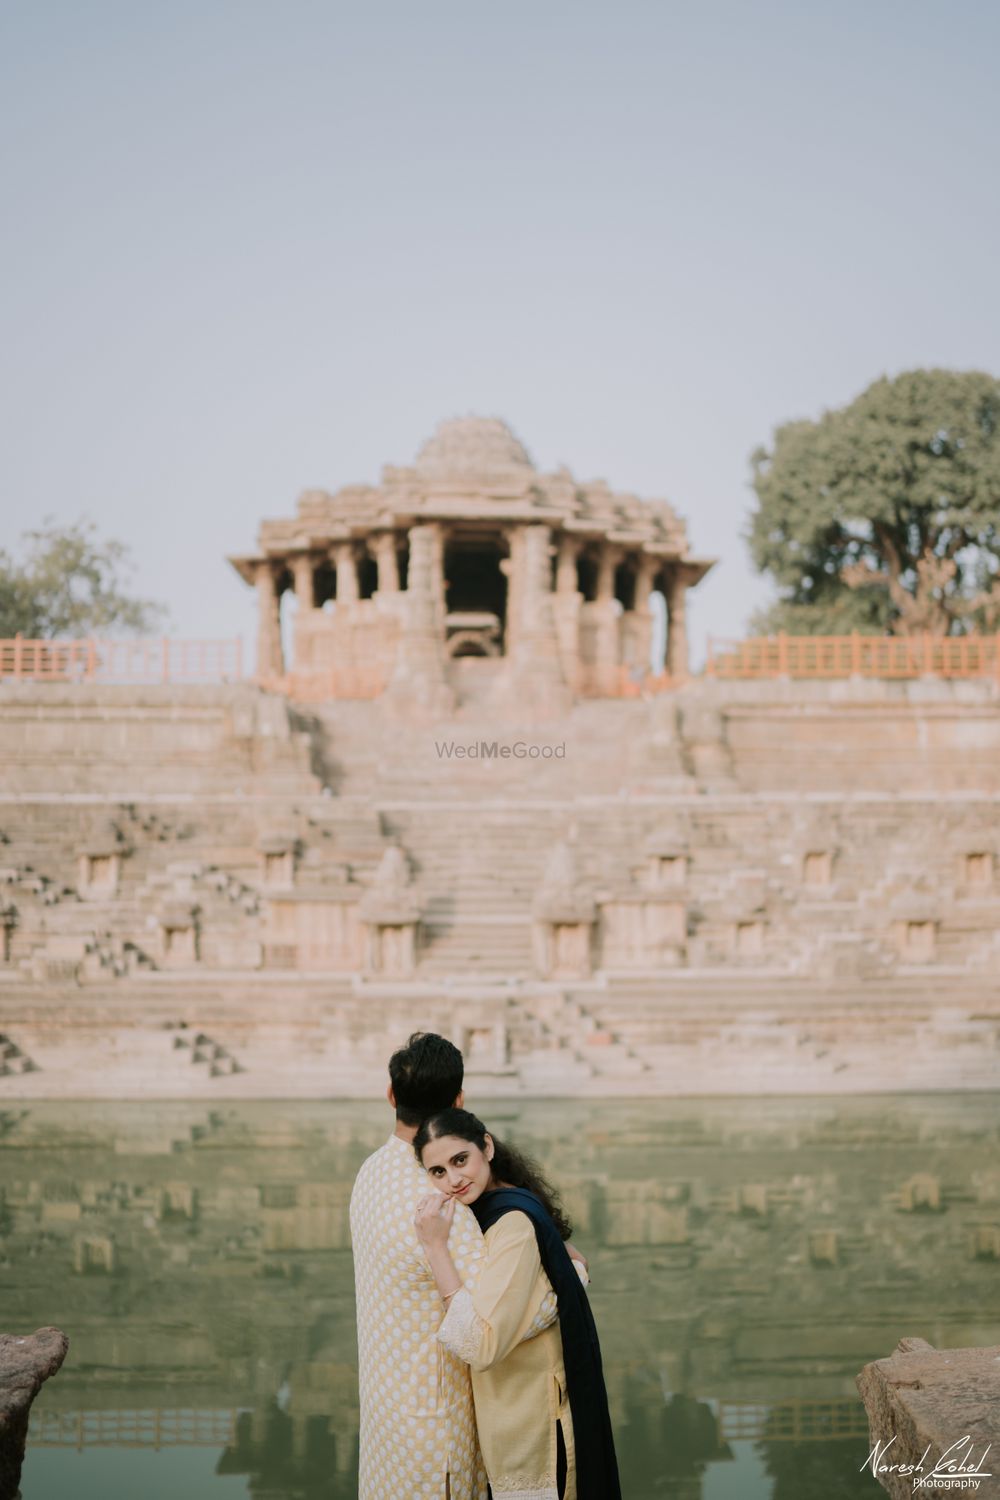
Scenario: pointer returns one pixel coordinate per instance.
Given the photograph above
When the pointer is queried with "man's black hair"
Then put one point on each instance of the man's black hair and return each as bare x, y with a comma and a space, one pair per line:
426, 1076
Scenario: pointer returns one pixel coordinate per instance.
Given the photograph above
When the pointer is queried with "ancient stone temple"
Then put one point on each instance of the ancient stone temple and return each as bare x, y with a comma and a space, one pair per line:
471, 553
773, 885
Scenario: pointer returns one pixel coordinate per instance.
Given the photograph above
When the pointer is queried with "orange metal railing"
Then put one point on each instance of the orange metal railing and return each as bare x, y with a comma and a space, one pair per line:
124, 661
893, 656
796, 1420
153, 1428
215, 661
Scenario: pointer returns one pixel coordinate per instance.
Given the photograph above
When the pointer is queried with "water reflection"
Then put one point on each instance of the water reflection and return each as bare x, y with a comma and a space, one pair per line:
747, 1257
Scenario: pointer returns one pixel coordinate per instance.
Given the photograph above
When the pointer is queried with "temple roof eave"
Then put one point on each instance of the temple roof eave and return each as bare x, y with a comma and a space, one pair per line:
246, 567
695, 568
276, 548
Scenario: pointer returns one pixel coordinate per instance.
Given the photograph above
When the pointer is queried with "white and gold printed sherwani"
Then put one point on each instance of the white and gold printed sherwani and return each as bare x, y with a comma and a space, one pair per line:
418, 1432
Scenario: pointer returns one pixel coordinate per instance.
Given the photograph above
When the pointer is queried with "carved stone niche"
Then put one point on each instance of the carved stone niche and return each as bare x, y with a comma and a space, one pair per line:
485, 1046
666, 864
817, 868
94, 1253
179, 946
749, 936
99, 869
976, 866
177, 1200
564, 916
276, 856
914, 932
390, 917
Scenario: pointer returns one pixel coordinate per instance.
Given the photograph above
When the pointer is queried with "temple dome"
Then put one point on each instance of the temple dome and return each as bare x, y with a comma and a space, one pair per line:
472, 447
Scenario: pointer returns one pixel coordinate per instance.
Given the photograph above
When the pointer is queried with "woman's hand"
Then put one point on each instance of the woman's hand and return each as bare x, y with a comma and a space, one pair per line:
574, 1254
433, 1220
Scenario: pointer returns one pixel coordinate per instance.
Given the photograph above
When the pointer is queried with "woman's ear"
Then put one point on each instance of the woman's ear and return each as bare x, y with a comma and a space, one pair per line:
489, 1148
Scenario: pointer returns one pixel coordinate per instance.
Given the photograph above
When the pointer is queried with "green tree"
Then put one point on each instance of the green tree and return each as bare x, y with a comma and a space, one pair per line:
70, 584
885, 515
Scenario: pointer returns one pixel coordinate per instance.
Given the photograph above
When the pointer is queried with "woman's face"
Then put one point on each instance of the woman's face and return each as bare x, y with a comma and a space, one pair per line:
458, 1168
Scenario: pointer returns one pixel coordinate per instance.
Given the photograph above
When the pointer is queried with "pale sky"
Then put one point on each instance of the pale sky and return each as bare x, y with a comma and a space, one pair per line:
254, 248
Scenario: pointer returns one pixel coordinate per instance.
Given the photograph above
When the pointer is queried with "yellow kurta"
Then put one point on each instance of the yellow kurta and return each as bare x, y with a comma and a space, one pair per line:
417, 1423
519, 1381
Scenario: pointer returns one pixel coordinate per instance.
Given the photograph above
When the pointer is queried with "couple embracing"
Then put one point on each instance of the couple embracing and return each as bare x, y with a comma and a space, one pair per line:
479, 1365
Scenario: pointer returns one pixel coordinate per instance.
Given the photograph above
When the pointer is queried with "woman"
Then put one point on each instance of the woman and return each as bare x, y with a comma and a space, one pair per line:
541, 1405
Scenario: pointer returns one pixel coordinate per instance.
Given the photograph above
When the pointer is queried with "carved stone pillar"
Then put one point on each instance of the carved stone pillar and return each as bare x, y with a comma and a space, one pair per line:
566, 604
419, 677
536, 600
537, 665
270, 659
644, 580
384, 546
569, 551
437, 572
606, 574
639, 619
425, 579
302, 573
513, 567
347, 573
607, 644
677, 642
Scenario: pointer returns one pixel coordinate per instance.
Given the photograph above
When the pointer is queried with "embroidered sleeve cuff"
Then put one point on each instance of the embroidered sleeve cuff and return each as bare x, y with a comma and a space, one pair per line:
461, 1330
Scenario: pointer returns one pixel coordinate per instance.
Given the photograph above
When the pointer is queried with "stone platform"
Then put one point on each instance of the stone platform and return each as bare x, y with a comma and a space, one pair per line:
934, 1417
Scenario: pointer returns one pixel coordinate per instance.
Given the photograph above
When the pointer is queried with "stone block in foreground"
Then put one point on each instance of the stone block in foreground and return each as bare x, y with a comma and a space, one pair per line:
26, 1362
935, 1415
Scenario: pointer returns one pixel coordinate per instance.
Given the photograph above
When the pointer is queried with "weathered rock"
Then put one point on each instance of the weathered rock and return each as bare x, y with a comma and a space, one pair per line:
934, 1412
25, 1364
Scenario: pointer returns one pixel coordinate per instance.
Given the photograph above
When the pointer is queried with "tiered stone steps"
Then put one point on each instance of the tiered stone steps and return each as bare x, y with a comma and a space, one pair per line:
825, 1006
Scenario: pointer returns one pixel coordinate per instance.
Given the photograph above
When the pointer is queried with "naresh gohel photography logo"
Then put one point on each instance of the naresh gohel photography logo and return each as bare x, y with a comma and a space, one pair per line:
489, 750
957, 1468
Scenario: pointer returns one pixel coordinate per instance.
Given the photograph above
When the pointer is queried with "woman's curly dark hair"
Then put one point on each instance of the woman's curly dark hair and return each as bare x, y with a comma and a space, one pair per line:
509, 1166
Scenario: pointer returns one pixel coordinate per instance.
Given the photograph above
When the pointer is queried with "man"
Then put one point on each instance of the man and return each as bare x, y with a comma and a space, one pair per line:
418, 1431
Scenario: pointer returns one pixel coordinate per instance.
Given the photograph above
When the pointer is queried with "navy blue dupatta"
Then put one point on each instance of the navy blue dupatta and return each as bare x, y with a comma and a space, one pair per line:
596, 1465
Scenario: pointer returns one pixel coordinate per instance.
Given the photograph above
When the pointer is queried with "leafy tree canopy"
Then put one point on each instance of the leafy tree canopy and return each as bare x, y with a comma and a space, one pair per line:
885, 514
69, 583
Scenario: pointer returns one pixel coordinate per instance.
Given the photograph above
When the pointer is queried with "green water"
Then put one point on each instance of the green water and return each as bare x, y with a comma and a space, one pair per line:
747, 1256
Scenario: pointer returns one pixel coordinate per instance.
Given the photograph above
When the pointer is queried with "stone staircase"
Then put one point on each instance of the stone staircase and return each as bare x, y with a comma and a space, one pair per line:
824, 1004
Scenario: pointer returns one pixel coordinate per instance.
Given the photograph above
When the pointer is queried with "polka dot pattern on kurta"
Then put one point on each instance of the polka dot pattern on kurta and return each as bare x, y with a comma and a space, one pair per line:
417, 1422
